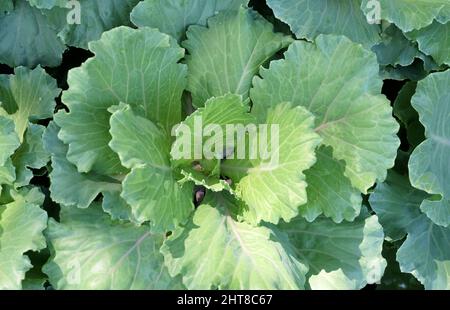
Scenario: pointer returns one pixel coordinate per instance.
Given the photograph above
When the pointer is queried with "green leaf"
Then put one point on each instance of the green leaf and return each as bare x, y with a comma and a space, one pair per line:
31, 154
339, 256
28, 95
7, 174
95, 17
150, 188
395, 48
397, 205
309, 18
437, 210
21, 226
26, 27
410, 14
175, 16
425, 252
275, 187
222, 62
9, 141
329, 192
117, 207
337, 81
68, 186
429, 165
216, 251
137, 67
91, 252
434, 40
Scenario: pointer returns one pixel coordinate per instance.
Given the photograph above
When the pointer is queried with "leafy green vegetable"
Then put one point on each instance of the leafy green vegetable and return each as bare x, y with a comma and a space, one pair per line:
235, 144
151, 63
26, 96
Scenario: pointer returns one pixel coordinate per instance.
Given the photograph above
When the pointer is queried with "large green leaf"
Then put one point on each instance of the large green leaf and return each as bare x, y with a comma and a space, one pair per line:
215, 251
410, 14
151, 188
21, 226
28, 95
174, 16
68, 186
275, 187
309, 18
339, 256
137, 67
429, 166
221, 62
91, 252
337, 80
26, 27
434, 40
425, 252
95, 17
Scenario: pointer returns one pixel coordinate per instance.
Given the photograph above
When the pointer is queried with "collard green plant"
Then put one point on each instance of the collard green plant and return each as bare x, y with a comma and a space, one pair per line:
205, 145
